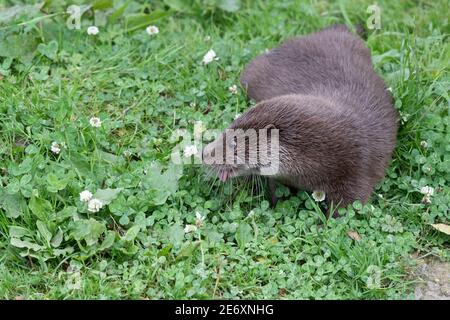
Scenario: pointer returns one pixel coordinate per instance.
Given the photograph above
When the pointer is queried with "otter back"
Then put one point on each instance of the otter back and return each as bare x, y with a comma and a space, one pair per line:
336, 120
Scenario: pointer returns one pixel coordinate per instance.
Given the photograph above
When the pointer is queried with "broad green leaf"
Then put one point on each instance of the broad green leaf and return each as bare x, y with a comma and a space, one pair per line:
213, 236
22, 168
80, 164
63, 252
25, 180
264, 205
357, 205
31, 149
18, 46
102, 4
116, 14
140, 220
152, 179
107, 195
171, 176
12, 204
43, 230
244, 234
124, 220
119, 205
40, 73
88, 230
176, 234
162, 185
17, 11
57, 238
26, 190
67, 212
96, 229
13, 187
18, 232
49, 50
25, 244
55, 184
142, 20
108, 241
159, 197
188, 250
129, 248
393, 53
132, 233
40, 207
108, 157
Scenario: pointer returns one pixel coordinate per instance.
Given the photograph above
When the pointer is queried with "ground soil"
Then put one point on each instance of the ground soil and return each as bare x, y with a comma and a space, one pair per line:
433, 278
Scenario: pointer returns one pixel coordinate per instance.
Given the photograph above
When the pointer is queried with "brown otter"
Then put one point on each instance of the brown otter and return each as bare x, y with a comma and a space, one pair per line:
335, 119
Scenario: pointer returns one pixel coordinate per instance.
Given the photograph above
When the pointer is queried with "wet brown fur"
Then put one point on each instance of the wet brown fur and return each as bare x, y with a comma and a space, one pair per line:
336, 120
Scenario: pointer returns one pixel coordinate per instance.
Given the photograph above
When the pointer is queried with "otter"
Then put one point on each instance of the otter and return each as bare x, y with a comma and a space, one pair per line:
334, 117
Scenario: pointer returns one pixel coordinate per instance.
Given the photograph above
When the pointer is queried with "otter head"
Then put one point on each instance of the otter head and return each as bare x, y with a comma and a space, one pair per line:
249, 146
285, 136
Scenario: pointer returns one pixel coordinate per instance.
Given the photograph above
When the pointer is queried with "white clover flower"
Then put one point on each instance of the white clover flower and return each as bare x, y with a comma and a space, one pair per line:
190, 228
85, 196
237, 115
95, 205
152, 30
199, 219
233, 89
318, 195
92, 31
95, 122
127, 153
55, 147
424, 144
190, 150
209, 57
389, 89
427, 191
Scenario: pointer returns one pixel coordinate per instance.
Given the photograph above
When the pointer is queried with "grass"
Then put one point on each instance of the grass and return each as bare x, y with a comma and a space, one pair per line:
144, 88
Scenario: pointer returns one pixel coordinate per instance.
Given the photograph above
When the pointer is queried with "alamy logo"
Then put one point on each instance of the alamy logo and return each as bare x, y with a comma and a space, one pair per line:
76, 12
235, 148
374, 20
74, 19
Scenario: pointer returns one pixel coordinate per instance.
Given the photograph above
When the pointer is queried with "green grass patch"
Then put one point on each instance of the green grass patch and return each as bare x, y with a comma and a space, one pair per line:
54, 79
